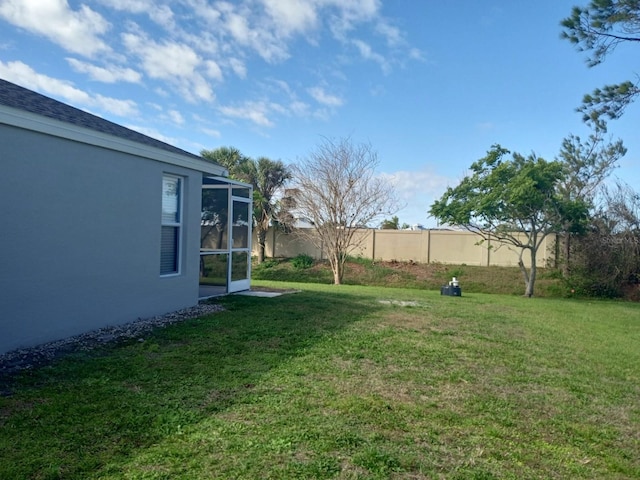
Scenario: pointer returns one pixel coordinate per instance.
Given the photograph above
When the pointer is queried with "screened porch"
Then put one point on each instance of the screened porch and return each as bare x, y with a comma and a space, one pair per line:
225, 236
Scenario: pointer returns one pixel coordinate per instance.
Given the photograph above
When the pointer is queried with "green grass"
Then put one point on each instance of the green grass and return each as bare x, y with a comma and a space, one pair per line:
344, 382
362, 271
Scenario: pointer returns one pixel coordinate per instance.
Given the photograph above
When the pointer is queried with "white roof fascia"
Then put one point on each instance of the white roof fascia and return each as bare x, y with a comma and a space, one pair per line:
39, 123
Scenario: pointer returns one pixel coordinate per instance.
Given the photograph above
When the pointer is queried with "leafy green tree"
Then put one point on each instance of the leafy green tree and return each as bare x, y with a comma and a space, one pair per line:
586, 165
393, 224
512, 200
598, 29
267, 177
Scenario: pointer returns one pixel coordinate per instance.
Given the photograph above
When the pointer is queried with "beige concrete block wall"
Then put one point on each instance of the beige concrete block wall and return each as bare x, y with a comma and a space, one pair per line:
364, 243
457, 247
506, 255
422, 246
287, 245
401, 245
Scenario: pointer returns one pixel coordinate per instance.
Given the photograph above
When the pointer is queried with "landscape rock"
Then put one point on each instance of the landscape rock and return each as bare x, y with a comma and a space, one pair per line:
29, 358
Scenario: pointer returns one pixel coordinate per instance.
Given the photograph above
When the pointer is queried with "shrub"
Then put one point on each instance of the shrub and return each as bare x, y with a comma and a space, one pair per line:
302, 261
360, 260
267, 263
456, 272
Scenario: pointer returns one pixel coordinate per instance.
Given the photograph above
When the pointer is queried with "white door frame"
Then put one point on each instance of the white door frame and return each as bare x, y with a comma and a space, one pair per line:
230, 185
244, 283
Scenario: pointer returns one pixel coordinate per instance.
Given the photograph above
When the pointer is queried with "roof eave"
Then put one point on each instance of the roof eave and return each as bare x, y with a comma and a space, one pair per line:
38, 123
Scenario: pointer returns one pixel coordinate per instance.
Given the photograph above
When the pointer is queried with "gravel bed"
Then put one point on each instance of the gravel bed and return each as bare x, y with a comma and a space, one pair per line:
28, 358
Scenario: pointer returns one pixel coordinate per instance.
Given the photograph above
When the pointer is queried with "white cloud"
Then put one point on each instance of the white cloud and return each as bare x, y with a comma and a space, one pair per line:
150, 132
133, 6
243, 26
322, 114
320, 96
292, 16
174, 62
367, 53
236, 24
299, 108
202, 43
255, 112
283, 86
424, 183
160, 14
210, 14
417, 190
211, 132
196, 88
77, 31
392, 34
213, 70
23, 74
351, 12
238, 67
112, 74
176, 117
122, 108
162, 60
247, 29
161, 92
416, 54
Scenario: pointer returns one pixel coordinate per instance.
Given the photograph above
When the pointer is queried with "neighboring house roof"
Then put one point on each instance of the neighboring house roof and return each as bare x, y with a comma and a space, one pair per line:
25, 100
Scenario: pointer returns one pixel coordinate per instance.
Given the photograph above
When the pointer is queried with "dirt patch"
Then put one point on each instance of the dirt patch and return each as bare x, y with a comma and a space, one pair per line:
631, 292
421, 271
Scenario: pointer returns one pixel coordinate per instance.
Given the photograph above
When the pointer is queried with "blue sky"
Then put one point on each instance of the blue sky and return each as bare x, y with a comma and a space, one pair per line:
430, 84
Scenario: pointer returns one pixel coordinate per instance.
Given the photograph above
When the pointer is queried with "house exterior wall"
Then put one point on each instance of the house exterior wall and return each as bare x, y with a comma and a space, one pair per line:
80, 243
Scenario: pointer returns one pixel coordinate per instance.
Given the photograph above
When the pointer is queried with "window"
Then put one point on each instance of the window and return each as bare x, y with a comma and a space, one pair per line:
171, 234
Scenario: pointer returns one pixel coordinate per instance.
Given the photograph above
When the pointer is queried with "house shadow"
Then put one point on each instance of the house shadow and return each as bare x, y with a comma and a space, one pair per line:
135, 394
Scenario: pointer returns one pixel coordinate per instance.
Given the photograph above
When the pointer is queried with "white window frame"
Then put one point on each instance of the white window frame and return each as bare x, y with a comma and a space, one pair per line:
179, 225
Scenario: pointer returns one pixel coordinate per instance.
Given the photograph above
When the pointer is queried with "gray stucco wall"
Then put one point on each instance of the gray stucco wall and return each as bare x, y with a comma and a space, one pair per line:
80, 241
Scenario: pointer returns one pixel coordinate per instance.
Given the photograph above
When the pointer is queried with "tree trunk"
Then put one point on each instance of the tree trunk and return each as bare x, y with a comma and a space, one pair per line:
338, 269
530, 284
262, 238
529, 276
566, 254
219, 238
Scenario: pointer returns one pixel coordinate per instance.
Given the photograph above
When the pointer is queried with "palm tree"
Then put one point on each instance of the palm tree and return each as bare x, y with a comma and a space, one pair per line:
268, 178
228, 157
265, 175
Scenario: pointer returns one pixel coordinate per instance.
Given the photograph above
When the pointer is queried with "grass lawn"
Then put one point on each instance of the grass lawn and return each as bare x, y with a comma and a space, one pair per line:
424, 276
344, 382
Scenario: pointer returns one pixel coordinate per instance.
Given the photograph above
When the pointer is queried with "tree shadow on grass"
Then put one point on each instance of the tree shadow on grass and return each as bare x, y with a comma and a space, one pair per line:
90, 410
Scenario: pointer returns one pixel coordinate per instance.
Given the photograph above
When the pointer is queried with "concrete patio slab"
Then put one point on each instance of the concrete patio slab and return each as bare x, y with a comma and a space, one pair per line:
258, 293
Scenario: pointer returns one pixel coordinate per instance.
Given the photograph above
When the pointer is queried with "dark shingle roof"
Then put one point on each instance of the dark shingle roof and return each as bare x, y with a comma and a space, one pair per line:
15, 96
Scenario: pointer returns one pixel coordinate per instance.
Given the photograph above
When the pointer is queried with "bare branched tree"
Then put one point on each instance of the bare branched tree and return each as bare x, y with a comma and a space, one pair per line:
337, 190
